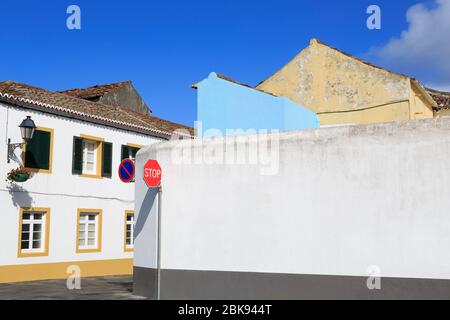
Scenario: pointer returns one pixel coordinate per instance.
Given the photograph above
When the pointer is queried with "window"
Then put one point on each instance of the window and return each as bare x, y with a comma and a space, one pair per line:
129, 151
89, 230
92, 157
34, 232
129, 231
38, 152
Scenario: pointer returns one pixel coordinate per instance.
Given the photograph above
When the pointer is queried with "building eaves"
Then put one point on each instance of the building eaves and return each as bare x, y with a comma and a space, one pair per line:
65, 105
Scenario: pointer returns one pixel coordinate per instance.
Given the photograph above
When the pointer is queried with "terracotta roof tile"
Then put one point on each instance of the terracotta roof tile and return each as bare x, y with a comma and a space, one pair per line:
442, 98
66, 105
95, 91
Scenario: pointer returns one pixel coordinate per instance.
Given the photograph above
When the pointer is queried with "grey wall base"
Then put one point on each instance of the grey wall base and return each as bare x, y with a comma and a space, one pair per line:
144, 282
208, 285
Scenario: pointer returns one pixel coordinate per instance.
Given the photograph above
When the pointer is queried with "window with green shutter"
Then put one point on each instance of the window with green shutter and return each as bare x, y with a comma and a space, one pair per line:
107, 160
38, 151
129, 152
92, 158
77, 156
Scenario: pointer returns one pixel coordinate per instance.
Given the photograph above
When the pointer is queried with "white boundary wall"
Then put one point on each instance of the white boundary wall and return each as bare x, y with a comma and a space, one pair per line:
344, 199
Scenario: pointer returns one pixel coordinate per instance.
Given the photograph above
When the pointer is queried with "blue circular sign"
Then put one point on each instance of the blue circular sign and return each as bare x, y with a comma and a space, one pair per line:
126, 170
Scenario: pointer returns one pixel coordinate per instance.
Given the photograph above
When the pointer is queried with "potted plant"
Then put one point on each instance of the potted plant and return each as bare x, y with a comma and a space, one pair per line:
18, 175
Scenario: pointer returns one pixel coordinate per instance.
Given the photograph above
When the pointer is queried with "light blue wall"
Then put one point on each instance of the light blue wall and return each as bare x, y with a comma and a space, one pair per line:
226, 105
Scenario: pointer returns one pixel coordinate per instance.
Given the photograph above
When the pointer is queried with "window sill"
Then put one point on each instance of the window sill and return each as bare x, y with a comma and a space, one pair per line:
43, 171
97, 250
32, 254
91, 176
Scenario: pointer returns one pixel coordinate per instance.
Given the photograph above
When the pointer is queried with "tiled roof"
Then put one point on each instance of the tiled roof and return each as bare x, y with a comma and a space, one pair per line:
95, 91
442, 98
159, 123
66, 105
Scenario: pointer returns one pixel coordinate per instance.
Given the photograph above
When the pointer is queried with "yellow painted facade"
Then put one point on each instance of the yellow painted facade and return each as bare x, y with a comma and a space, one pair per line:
342, 89
49, 271
442, 113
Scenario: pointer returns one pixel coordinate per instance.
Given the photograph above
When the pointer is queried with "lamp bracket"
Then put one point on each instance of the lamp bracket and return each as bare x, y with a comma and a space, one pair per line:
12, 147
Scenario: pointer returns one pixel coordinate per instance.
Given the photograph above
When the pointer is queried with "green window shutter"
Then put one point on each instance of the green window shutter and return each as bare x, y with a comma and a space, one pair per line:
37, 155
128, 151
125, 152
107, 159
134, 151
77, 156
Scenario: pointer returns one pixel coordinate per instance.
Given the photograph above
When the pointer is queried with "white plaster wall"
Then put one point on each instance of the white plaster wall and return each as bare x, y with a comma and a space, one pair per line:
344, 199
63, 192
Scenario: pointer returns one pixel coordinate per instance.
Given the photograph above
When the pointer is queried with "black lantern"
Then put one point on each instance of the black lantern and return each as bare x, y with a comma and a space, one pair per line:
27, 128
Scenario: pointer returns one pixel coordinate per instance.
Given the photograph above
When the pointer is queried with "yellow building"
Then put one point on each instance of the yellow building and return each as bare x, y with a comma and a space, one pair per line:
343, 89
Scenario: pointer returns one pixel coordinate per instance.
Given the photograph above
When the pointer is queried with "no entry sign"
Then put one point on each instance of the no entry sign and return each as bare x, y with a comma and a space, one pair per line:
126, 170
152, 174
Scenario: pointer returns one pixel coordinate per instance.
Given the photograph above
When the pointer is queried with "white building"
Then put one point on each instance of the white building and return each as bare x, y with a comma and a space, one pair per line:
74, 211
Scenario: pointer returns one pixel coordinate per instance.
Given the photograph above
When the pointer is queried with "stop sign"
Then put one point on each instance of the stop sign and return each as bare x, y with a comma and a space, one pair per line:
152, 173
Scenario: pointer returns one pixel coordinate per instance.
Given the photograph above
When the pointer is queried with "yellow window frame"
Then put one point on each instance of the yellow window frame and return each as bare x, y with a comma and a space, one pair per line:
125, 247
20, 253
100, 141
99, 213
133, 145
50, 162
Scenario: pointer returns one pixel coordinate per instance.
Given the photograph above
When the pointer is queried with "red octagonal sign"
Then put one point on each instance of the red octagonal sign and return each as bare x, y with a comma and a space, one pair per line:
152, 174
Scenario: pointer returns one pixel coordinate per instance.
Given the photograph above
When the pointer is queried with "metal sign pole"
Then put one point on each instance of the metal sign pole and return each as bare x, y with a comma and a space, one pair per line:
158, 275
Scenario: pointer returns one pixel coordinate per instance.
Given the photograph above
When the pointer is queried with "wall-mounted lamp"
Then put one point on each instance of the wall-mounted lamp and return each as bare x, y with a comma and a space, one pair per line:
27, 128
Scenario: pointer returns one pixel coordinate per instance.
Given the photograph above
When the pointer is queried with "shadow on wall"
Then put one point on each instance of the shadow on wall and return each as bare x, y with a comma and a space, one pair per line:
13, 157
144, 212
20, 196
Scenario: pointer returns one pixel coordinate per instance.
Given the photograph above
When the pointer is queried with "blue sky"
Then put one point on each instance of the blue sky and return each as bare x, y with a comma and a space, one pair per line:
165, 46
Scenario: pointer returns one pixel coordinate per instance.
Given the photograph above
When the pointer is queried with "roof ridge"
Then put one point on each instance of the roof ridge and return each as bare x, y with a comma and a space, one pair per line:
53, 106
316, 40
118, 84
359, 59
6, 84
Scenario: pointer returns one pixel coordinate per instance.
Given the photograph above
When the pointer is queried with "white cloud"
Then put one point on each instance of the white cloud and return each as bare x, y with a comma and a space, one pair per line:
444, 86
423, 50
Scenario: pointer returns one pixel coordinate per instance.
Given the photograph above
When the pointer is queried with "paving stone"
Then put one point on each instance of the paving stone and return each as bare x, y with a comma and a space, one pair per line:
101, 288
